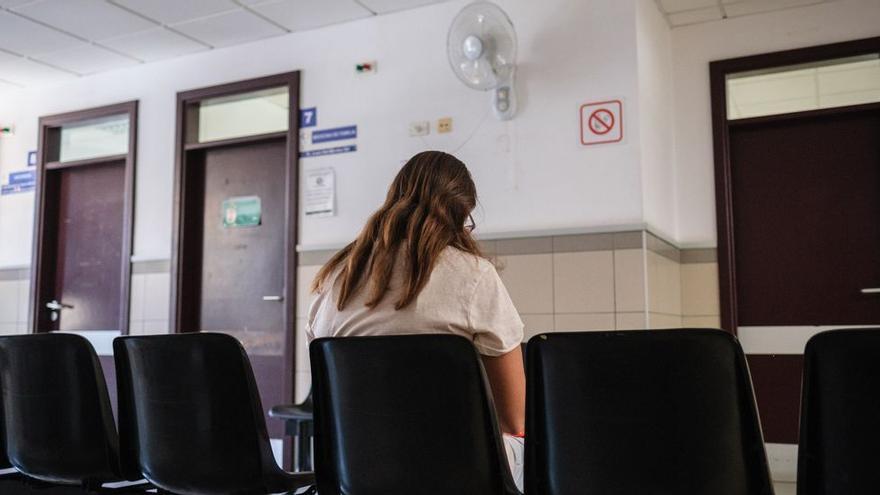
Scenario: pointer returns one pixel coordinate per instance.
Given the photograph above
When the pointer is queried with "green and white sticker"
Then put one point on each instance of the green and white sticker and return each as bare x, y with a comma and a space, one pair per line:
242, 211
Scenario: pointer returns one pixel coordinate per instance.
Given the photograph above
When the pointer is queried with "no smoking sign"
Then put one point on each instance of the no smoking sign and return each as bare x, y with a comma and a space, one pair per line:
602, 122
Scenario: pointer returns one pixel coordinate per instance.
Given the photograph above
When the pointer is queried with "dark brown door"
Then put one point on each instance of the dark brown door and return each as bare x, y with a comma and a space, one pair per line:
88, 249
243, 241
83, 223
806, 217
805, 210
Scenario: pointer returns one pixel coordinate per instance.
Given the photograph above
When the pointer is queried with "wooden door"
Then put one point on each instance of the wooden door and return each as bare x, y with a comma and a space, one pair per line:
242, 283
806, 212
233, 264
83, 223
798, 202
806, 204
88, 249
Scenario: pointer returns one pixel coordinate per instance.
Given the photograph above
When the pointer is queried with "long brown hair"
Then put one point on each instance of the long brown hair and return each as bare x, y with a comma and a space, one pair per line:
424, 212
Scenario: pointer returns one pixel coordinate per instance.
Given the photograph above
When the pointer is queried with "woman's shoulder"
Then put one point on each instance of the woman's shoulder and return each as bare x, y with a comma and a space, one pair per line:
464, 262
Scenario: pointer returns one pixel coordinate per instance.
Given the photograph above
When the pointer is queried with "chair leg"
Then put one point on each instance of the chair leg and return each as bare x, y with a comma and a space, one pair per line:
303, 448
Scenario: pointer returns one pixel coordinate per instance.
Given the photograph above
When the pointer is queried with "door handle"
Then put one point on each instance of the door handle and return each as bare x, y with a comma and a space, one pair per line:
55, 305
273, 298
871, 290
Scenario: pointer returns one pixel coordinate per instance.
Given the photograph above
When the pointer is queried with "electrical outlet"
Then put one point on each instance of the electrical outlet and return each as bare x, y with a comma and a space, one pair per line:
444, 125
422, 128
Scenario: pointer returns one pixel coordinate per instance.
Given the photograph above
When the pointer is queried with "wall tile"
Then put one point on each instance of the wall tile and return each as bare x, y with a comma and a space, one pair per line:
630, 321
157, 287
136, 299
586, 321
304, 276
525, 245
302, 383
701, 321
301, 360
9, 301
24, 299
629, 280
784, 488
699, 289
664, 284
535, 324
529, 280
586, 242
156, 327
136, 327
583, 282
659, 320
8, 328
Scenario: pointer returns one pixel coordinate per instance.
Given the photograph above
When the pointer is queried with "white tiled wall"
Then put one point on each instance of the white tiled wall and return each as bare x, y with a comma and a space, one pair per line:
14, 296
150, 300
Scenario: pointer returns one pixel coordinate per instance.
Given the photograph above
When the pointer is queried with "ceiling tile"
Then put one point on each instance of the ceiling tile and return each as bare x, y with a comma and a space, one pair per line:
695, 16
671, 6
19, 70
86, 59
90, 19
154, 44
747, 7
298, 15
174, 11
385, 6
237, 26
25, 37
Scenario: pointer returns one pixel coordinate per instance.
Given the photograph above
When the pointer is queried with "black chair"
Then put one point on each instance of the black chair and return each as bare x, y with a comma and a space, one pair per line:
190, 414
299, 424
642, 412
405, 415
57, 418
840, 408
11, 481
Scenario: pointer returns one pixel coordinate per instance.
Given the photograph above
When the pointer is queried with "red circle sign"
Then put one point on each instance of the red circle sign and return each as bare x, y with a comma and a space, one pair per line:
601, 121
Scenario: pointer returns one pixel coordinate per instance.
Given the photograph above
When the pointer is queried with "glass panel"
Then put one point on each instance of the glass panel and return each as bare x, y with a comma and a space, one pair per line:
248, 114
827, 84
104, 136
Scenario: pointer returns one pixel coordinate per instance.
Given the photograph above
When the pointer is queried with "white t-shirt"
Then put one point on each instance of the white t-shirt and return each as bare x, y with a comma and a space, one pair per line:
464, 296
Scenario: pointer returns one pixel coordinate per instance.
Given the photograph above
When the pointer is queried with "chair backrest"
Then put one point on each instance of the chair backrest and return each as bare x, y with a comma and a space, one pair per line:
840, 409
405, 414
57, 417
190, 414
668, 411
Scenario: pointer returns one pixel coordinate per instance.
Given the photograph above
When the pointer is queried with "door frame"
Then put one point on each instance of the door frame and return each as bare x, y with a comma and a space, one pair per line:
718, 71
184, 253
49, 127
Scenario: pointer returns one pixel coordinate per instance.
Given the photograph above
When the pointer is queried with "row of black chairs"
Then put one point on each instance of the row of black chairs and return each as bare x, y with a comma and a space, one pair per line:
189, 417
641, 412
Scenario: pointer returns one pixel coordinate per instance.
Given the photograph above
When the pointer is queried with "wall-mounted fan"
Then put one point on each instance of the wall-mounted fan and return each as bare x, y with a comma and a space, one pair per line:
482, 52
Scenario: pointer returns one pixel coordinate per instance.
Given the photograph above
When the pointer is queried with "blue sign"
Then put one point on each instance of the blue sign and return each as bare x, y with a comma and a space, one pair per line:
308, 117
335, 134
23, 177
328, 151
32, 159
7, 189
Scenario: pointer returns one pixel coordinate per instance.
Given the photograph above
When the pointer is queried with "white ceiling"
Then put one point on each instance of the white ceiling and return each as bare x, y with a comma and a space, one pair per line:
685, 12
43, 41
